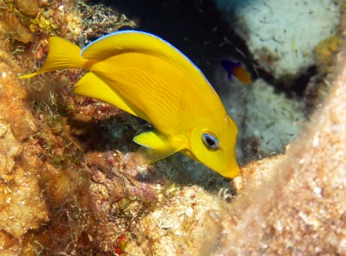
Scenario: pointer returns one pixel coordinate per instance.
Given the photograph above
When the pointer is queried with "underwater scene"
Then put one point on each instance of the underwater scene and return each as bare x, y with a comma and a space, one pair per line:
201, 127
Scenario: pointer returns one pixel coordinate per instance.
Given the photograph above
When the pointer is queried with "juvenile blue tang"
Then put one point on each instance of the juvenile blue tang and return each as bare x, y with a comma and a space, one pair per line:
147, 77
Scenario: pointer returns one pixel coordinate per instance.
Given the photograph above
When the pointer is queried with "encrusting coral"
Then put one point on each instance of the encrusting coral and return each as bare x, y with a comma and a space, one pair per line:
42, 186
22, 207
66, 186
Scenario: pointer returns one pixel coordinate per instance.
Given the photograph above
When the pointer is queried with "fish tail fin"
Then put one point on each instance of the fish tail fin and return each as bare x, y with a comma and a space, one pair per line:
62, 54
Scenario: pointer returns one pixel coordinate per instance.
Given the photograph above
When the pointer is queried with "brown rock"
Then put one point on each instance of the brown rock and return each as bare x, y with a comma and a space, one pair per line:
27, 7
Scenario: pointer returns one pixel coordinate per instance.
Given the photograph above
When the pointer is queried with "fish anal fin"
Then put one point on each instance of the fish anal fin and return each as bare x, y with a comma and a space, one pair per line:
154, 147
92, 86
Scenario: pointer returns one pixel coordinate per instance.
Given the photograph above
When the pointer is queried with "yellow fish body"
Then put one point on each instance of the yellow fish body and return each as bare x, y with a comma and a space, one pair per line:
149, 78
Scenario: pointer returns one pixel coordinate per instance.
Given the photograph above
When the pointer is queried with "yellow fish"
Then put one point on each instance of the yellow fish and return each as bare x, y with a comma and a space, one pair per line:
147, 77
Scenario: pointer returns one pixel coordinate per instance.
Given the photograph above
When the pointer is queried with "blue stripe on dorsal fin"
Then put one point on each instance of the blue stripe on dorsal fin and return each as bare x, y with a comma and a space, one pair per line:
144, 43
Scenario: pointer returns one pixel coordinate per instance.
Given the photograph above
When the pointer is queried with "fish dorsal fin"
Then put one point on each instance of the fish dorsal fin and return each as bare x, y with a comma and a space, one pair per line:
144, 43
154, 147
92, 86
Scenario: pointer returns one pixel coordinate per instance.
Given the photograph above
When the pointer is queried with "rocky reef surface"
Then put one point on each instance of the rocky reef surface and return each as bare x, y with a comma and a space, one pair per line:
282, 35
67, 187
296, 206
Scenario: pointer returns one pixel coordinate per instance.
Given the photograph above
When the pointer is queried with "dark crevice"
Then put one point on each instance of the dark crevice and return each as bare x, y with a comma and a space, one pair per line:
201, 32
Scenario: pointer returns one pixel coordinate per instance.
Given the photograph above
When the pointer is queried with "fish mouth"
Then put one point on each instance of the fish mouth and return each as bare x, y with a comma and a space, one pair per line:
231, 172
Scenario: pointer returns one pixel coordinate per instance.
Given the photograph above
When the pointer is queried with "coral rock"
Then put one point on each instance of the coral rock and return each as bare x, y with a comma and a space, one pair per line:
10, 148
300, 208
27, 7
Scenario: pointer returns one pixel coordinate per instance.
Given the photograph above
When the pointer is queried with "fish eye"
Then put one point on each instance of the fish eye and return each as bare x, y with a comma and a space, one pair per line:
210, 141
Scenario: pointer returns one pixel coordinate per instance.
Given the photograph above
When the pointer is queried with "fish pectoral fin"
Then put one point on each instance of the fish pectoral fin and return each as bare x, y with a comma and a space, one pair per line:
150, 155
154, 147
92, 86
150, 140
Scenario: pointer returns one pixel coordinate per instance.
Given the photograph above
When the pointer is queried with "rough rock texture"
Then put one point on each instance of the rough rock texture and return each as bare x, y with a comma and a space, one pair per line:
22, 207
178, 226
56, 198
301, 208
267, 120
282, 35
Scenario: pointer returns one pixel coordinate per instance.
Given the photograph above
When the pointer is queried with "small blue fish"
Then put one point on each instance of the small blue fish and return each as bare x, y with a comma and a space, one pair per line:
237, 70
